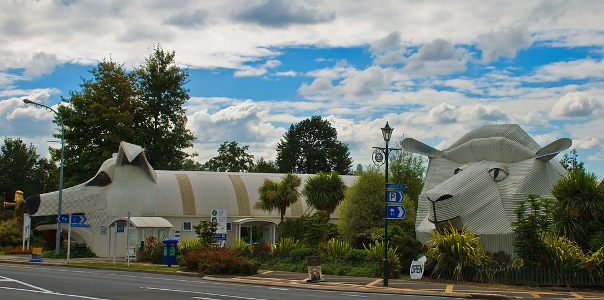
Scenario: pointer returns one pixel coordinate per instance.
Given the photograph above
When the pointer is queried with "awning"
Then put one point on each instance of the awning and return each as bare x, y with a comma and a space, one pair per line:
144, 222
250, 220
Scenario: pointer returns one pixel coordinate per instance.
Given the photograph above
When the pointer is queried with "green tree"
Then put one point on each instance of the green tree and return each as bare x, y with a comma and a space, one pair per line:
279, 195
21, 168
231, 158
159, 114
570, 161
312, 146
264, 166
96, 118
205, 232
408, 169
579, 207
363, 205
324, 191
532, 221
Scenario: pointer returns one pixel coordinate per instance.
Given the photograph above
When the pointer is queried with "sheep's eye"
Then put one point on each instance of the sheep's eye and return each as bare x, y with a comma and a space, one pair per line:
457, 170
498, 174
101, 179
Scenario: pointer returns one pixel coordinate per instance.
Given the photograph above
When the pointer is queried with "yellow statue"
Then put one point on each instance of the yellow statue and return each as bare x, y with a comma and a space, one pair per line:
19, 206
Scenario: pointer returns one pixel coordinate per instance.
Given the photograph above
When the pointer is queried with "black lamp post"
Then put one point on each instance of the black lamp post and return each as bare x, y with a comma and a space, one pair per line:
386, 133
58, 240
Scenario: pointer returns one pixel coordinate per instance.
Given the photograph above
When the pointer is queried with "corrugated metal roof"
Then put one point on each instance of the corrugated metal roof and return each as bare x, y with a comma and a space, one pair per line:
145, 222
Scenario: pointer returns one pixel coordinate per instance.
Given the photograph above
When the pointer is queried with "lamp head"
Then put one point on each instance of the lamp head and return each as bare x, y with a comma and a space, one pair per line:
27, 101
387, 132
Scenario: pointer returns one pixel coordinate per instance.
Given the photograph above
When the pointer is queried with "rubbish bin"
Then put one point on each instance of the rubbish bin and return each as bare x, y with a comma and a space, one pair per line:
170, 252
314, 269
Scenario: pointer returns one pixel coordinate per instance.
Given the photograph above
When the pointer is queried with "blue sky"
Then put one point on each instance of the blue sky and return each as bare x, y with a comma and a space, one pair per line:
433, 70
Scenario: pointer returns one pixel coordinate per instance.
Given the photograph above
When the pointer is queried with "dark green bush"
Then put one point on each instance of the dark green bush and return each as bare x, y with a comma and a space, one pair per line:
355, 255
218, 261
152, 251
596, 241
291, 229
300, 254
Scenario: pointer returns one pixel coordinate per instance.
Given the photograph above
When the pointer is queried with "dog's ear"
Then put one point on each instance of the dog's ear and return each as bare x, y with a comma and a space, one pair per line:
548, 152
415, 146
130, 154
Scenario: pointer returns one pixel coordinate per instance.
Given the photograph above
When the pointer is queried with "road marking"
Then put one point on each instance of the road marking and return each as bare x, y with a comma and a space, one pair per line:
449, 289
534, 294
576, 295
51, 293
201, 293
276, 288
353, 295
374, 282
26, 284
204, 298
265, 272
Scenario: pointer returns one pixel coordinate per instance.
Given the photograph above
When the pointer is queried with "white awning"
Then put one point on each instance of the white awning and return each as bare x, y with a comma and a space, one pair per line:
144, 222
249, 220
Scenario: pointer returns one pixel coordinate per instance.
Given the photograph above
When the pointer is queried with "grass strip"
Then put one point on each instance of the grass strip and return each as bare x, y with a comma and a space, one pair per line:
122, 266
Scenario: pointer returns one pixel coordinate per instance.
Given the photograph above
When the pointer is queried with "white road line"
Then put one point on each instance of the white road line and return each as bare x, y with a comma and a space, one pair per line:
201, 293
204, 298
276, 288
26, 284
353, 295
52, 293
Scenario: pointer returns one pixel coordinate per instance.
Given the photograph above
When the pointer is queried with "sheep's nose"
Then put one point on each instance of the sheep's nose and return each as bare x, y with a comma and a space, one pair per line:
32, 203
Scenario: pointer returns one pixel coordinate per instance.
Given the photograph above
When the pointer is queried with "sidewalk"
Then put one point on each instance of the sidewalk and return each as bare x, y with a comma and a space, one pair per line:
365, 284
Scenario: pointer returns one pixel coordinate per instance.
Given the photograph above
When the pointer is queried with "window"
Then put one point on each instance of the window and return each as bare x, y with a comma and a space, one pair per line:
229, 226
187, 226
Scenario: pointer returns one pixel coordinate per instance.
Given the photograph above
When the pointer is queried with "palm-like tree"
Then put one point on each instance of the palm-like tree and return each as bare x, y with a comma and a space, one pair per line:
324, 191
279, 195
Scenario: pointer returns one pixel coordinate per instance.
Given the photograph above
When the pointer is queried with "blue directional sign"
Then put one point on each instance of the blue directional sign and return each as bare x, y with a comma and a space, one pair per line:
119, 228
220, 236
79, 225
395, 197
77, 219
396, 212
392, 186
63, 219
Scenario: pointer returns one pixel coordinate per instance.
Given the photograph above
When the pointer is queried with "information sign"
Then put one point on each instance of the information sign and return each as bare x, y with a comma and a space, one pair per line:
396, 212
395, 197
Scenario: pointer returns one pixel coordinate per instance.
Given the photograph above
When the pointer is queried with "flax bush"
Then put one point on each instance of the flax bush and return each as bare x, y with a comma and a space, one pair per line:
375, 252
285, 245
336, 249
457, 249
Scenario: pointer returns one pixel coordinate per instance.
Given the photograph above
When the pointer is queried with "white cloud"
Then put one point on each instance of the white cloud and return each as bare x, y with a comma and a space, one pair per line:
588, 142
287, 73
280, 13
250, 71
41, 64
436, 58
576, 104
575, 69
503, 43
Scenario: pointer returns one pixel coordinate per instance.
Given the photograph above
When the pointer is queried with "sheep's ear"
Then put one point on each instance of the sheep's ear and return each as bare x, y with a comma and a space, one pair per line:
548, 152
415, 146
130, 154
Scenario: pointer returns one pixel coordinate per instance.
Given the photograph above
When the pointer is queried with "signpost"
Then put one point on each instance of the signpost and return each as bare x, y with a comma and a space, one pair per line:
396, 212
395, 197
75, 221
220, 217
63, 219
26, 230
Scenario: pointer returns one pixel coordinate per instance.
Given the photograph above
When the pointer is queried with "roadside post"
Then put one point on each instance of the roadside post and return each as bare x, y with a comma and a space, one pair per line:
128, 241
76, 221
26, 230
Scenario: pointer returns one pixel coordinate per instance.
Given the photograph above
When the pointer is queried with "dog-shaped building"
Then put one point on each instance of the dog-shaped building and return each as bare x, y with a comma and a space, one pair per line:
478, 180
164, 203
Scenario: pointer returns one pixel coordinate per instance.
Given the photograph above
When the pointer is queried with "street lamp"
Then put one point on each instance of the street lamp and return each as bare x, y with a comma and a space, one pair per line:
58, 240
380, 155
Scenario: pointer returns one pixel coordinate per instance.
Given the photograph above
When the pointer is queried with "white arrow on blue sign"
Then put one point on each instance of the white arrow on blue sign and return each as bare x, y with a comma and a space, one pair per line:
396, 212
77, 219
63, 219
395, 196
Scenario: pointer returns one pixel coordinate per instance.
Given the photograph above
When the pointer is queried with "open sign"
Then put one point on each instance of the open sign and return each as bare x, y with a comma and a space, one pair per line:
416, 271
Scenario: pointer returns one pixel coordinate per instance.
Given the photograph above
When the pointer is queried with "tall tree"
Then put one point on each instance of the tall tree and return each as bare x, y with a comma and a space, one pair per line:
570, 161
264, 166
96, 119
324, 191
231, 158
312, 146
159, 115
279, 195
408, 169
21, 168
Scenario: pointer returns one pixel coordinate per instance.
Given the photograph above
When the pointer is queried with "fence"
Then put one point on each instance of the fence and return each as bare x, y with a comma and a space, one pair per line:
529, 276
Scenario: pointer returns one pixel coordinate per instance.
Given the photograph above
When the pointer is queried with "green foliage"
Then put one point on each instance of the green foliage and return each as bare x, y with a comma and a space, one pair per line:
218, 261
312, 146
152, 251
186, 246
262, 250
74, 253
594, 262
315, 228
596, 241
408, 169
159, 115
363, 205
21, 168
570, 161
242, 248
337, 249
10, 233
457, 249
375, 252
530, 225
291, 228
300, 254
285, 245
355, 255
205, 232
560, 252
279, 195
264, 166
324, 191
230, 158
579, 210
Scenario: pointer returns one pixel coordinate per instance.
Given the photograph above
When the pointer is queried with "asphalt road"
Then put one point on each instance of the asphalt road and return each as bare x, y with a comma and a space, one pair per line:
49, 282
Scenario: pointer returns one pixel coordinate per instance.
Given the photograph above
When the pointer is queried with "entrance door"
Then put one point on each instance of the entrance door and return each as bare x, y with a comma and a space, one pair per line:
252, 234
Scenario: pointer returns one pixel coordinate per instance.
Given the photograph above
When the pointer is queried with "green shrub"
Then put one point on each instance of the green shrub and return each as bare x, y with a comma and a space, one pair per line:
222, 261
594, 262
596, 241
186, 246
242, 248
375, 252
560, 252
300, 254
457, 249
355, 255
10, 233
285, 246
315, 228
291, 228
190, 261
262, 250
152, 251
500, 258
532, 221
336, 249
